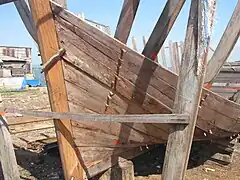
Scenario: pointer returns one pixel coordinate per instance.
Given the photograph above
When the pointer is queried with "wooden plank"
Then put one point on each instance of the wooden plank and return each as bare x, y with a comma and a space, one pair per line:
26, 16
163, 27
128, 118
126, 19
6, 1
188, 99
48, 44
7, 154
225, 46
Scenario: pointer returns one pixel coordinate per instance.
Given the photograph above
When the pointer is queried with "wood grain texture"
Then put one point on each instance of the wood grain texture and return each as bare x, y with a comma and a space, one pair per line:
126, 19
135, 68
163, 27
187, 99
26, 16
48, 44
90, 64
7, 154
225, 46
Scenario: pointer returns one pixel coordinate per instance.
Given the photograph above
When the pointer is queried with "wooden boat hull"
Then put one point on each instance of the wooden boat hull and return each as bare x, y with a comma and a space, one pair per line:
143, 87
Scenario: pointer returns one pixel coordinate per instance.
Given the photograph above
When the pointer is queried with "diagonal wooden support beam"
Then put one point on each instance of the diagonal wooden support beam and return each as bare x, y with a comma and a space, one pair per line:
26, 16
162, 28
126, 19
187, 99
225, 46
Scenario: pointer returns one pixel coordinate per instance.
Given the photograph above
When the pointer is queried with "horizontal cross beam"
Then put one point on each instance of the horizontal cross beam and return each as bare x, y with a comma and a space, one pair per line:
88, 118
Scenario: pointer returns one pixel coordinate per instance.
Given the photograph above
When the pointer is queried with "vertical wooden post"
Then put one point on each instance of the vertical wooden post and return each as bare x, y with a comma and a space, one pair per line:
134, 43
189, 88
176, 56
48, 44
172, 60
163, 57
7, 154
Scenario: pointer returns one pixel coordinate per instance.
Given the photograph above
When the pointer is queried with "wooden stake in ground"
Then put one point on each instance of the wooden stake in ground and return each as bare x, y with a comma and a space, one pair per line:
189, 87
7, 154
48, 44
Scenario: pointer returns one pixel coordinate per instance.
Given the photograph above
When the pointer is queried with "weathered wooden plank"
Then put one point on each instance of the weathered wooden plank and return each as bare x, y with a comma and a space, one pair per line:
94, 57
48, 44
141, 65
126, 19
26, 16
127, 118
188, 99
163, 27
7, 154
225, 46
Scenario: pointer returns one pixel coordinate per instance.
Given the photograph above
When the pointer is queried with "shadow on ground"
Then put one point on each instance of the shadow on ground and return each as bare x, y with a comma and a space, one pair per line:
47, 165
41, 166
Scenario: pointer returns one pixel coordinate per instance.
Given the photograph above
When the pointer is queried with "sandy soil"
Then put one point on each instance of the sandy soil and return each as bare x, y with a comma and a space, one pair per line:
35, 163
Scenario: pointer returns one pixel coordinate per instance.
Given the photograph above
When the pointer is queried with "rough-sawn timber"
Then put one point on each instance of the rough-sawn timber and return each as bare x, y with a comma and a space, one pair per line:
143, 87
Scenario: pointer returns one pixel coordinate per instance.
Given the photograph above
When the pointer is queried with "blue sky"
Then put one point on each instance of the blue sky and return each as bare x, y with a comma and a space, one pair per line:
13, 32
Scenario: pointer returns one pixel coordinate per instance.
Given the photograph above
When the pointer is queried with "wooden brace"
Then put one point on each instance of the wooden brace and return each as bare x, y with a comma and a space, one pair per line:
49, 64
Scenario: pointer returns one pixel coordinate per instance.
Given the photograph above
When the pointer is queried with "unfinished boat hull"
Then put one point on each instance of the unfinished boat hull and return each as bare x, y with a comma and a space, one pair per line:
137, 85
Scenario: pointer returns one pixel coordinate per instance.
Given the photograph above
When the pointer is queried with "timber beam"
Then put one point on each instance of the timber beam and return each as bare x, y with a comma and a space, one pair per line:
126, 118
187, 99
162, 28
126, 19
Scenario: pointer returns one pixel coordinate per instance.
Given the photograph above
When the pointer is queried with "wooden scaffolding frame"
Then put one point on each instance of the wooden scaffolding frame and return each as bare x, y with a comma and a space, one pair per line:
40, 24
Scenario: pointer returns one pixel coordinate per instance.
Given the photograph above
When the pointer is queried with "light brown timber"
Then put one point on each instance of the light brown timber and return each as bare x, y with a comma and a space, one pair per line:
48, 44
188, 99
225, 46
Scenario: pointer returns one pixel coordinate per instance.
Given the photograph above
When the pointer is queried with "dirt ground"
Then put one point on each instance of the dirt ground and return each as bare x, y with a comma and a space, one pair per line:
37, 163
